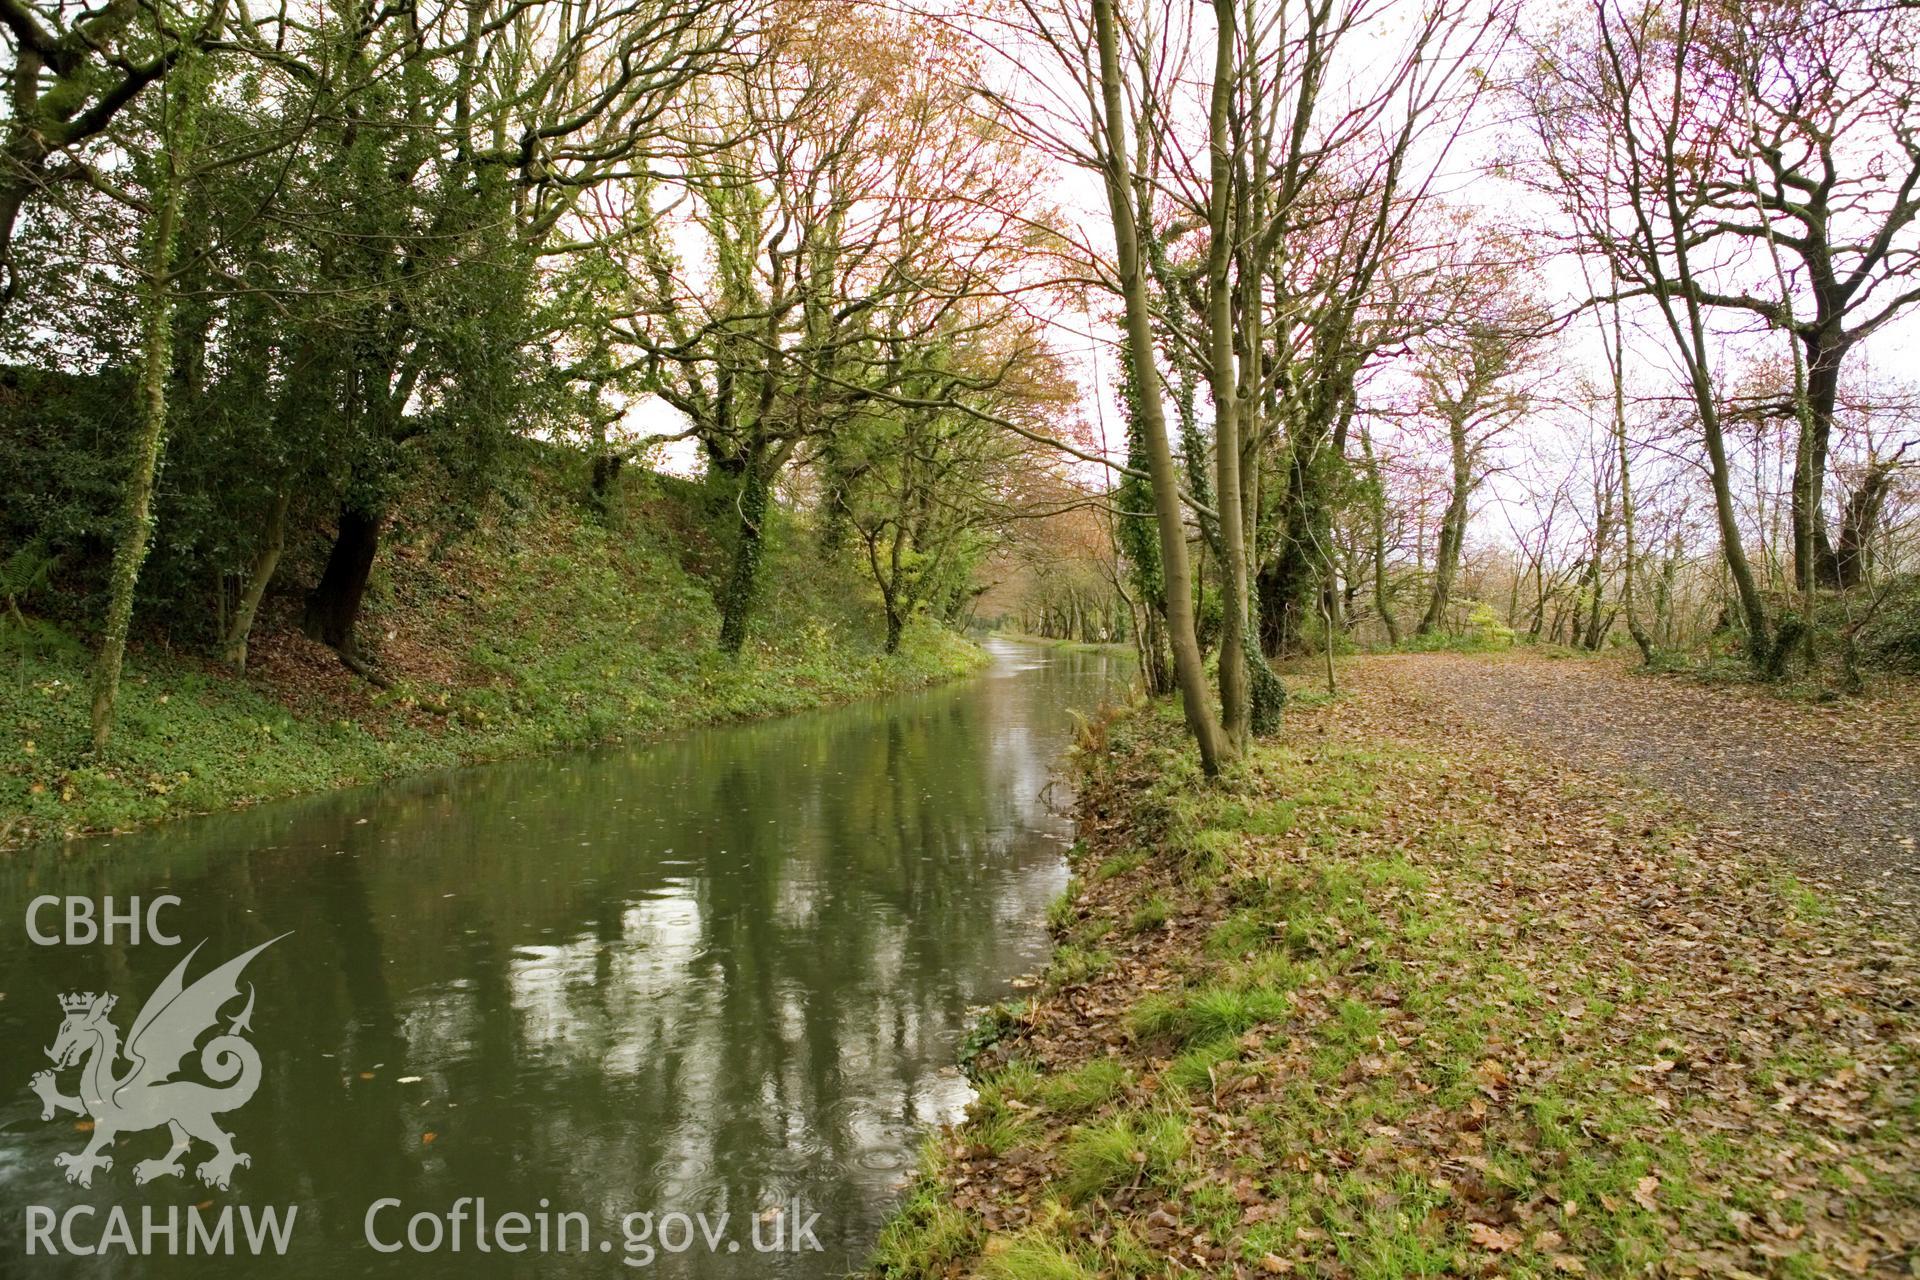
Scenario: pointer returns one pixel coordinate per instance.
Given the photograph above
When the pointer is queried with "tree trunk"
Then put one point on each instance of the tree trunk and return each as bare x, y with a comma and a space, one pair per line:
743, 575
1234, 712
134, 536
234, 649
605, 474
1188, 669
1853, 556
1288, 586
1617, 366
1641, 639
1156, 671
333, 606
1382, 602
1753, 609
1815, 563
1596, 575
1666, 626
1453, 529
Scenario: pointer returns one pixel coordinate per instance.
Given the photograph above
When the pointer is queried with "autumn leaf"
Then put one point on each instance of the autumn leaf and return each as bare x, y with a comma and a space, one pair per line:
1493, 1239
1613, 910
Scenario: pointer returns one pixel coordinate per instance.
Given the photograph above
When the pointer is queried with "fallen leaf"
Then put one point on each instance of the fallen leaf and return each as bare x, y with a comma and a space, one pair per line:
1643, 1193
1493, 1239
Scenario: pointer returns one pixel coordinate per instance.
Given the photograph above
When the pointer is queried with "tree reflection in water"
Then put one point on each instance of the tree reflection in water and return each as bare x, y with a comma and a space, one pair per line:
711, 974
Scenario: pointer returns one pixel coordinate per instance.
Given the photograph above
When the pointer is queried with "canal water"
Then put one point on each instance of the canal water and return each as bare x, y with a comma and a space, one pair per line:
714, 986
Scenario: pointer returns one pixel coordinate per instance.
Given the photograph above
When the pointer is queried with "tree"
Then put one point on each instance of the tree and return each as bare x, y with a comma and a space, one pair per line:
1818, 164
1110, 145
845, 195
1614, 335
1136, 536
167, 176
462, 169
1374, 492
1610, 117
1461, 390
1467, 379
929, 491
68, 77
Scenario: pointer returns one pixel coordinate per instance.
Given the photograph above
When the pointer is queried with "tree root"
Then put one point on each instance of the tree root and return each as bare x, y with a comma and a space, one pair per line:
364, 669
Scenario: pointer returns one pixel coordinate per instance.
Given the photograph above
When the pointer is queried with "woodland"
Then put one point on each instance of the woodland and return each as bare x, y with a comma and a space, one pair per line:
1577, 325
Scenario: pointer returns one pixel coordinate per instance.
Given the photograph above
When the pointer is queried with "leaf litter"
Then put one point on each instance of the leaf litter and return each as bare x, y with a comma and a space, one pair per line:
1429, 1002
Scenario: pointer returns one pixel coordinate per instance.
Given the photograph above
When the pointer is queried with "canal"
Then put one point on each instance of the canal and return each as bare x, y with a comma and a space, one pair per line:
719, 980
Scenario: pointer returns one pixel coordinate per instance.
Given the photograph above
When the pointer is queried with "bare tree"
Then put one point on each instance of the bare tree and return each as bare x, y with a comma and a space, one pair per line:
1469, 374
1617, 132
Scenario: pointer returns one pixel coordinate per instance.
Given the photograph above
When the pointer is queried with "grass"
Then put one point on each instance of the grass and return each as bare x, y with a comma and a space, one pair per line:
550, 630
1084, 1089
1063, 910
1206, 1015
1154, 912
1425, 1021
1075, 963
1052, 642
1128, 1147
1033, 1256
925, 1233
1001, 1118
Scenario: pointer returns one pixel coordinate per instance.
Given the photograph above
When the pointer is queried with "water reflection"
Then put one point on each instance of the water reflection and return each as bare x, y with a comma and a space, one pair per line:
713, 975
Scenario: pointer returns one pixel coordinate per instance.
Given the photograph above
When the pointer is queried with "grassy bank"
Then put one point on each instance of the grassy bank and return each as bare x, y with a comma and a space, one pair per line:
1069, 646
1392, 1001
547, 627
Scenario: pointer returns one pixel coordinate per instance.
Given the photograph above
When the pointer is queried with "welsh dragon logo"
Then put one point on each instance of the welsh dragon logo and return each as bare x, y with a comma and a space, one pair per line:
145, 1095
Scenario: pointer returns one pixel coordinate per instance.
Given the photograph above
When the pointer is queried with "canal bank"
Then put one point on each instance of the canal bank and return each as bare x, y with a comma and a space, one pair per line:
561, 629
1391, 999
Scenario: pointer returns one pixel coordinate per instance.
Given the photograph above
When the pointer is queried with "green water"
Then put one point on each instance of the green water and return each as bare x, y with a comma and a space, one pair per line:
701, 977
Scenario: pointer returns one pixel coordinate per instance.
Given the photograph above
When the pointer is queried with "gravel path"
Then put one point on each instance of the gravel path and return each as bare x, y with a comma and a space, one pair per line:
1837, 785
